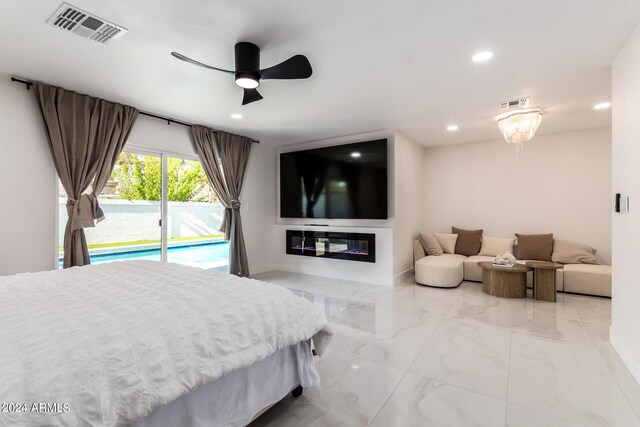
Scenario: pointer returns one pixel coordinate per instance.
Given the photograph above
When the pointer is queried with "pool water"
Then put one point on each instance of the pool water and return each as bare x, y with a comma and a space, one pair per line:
208, 255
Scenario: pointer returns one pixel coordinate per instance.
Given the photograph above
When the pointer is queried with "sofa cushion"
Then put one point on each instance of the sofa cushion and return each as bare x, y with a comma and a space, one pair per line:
469, 241
418, 251
588, 279
447, 242
537, 247
494, 246
430, 244
566, 252
445, 271
471, 270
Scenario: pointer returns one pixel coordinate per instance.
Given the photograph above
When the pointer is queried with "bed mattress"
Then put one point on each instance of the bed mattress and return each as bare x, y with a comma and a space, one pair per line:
107, 345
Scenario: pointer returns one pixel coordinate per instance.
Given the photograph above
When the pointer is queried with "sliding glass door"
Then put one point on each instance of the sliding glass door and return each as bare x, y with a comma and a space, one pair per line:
157, 207
131, 202
194, 216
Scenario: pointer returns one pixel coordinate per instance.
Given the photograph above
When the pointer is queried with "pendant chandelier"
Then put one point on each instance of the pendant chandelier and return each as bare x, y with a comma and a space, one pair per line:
519, 126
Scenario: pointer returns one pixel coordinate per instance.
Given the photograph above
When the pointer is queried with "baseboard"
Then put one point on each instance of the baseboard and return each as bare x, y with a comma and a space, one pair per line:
314, 270
632, 363
402, 273
261, 268
398, 277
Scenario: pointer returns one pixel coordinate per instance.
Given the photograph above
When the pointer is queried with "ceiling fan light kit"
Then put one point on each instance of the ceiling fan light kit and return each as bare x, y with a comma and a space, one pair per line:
247, 63
248, 73
247, 80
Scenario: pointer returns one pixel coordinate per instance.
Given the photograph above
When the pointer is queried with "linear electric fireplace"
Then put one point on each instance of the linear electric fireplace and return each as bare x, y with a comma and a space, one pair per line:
330, 244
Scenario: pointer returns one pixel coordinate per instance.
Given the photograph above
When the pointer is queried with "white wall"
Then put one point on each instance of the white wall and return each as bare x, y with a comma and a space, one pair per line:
28, 200
394, 236
562, 185
409, 200
28, 194
625, 336
382, 271
259, 206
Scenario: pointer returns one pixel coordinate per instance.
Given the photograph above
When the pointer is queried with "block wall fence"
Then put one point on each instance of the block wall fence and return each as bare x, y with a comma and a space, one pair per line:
128, 221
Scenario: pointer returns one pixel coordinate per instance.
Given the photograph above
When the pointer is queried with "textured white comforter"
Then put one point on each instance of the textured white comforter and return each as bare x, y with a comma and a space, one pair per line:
115, 341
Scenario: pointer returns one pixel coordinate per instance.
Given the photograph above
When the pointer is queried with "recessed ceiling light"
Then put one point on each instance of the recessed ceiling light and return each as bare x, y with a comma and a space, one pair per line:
602, 106
236, 116
453, 128
356, 155
482, 56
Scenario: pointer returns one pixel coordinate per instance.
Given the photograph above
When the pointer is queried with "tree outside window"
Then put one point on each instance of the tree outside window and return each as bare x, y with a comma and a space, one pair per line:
138, 177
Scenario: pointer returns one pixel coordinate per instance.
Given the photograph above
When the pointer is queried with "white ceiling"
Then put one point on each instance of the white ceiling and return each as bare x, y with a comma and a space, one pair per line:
378, 64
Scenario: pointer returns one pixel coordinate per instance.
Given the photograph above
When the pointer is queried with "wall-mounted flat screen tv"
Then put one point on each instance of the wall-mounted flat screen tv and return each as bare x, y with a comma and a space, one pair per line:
341, 181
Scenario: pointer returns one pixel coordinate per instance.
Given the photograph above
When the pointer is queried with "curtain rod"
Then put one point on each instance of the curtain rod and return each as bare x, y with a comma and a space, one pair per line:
169, 120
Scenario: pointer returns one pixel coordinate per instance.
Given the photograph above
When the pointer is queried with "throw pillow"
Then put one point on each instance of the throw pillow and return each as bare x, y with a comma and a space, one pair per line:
469, 241
566, 252
537, 247
494, 246
430, 244
447, 242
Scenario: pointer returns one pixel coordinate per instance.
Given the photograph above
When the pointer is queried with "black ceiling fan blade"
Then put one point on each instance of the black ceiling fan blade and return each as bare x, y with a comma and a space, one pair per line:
250, 95
296, 67
194, 62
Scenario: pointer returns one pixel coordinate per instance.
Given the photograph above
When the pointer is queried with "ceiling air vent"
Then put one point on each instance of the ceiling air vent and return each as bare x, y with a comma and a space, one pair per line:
515, 103
76, 20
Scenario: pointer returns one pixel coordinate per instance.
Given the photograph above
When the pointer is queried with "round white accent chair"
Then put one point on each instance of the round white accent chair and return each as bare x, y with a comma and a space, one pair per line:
443, 271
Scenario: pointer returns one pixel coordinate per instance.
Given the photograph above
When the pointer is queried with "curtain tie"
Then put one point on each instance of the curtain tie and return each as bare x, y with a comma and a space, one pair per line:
84, 212
235, 204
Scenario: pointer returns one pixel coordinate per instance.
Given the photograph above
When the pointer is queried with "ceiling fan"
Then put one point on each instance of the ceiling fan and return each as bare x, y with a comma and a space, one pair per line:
248, 73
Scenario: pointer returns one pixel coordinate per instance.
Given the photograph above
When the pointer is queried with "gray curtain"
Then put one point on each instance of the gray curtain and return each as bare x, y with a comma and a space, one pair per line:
85, 137
224, 158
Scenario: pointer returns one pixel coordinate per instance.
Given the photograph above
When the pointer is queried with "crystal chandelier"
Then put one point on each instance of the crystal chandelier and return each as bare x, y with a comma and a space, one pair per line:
519, 126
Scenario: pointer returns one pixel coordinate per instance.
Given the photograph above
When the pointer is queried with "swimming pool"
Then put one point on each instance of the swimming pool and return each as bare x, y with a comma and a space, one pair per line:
206, 255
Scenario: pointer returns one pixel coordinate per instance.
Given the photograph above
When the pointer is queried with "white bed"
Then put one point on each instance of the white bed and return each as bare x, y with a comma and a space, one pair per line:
141, 343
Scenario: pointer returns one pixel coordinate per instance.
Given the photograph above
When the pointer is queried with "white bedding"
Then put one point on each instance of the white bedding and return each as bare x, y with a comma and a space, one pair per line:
116, 341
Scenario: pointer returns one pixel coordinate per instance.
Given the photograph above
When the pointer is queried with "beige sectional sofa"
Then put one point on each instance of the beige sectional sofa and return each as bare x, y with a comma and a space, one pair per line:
449, 270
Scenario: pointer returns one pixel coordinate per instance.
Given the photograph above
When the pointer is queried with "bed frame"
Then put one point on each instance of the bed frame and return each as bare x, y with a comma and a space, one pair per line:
295, 391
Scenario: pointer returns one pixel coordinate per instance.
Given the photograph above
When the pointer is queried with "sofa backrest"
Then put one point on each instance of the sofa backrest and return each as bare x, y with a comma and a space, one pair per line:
419, 252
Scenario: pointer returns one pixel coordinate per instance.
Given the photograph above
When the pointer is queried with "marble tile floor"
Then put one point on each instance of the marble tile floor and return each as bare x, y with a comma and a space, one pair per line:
410, 355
